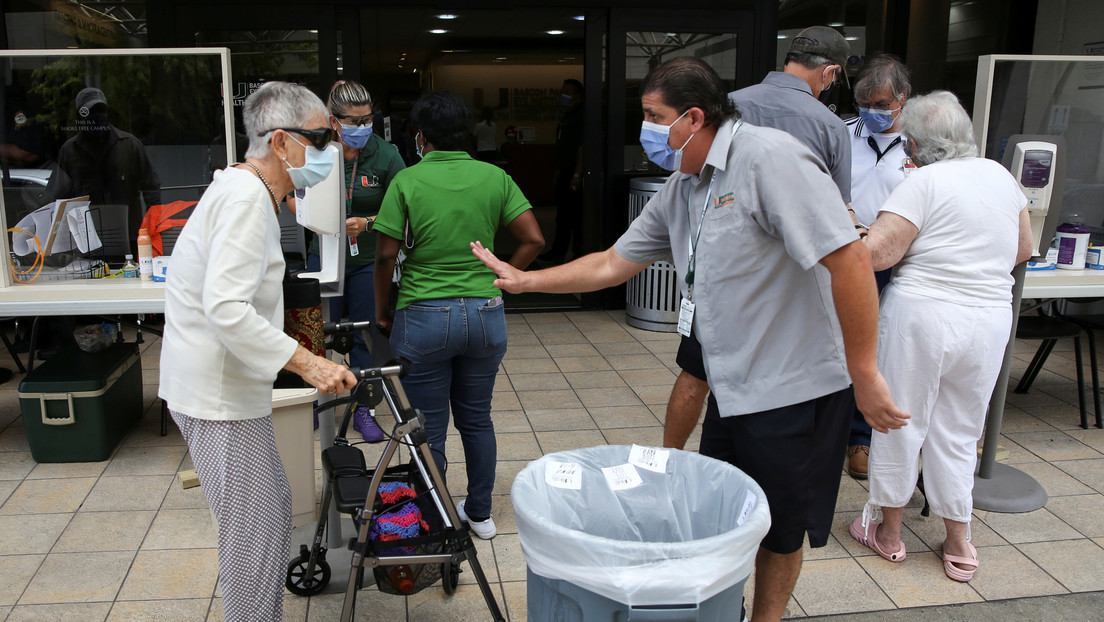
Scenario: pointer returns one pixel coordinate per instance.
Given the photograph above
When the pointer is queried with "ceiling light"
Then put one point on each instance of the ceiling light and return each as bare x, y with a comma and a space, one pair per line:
852, 38
554, 32
783, 36
579, 18
447, 16
500, 58
438, 31
835, 24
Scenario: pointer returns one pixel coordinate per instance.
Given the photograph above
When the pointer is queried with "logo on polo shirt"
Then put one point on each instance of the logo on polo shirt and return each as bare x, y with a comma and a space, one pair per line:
724, 200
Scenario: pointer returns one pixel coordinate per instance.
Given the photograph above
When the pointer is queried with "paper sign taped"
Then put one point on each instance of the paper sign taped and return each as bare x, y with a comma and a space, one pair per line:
651, 458
622, 477
564, 475
749, 505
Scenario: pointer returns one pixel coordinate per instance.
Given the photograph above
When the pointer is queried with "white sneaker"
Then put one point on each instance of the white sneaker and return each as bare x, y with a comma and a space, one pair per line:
485, 529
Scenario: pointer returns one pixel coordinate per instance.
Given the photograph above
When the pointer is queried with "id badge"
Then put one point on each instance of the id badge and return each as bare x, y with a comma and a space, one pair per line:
354, 250
686, 317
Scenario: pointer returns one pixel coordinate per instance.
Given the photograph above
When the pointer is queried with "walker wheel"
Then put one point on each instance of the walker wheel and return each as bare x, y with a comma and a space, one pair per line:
302, 584
450, 577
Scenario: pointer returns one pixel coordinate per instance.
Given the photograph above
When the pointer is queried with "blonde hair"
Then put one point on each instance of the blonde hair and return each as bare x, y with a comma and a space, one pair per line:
346, 94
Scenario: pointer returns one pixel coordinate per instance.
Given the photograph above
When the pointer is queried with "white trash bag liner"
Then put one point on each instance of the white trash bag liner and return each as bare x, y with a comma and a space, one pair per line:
639, 525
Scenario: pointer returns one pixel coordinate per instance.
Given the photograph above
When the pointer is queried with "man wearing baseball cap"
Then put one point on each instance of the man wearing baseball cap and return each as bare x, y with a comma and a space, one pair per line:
785, 100
109, 165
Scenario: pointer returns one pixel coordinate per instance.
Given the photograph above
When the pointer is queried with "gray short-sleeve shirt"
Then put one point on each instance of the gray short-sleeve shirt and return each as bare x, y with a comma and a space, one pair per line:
764, 310
785, 102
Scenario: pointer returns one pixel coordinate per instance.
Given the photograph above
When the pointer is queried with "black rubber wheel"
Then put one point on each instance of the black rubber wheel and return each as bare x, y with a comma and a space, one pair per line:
450, 577
302, 585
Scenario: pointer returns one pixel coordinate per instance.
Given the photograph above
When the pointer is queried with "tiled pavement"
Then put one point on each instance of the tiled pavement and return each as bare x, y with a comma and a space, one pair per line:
121, 540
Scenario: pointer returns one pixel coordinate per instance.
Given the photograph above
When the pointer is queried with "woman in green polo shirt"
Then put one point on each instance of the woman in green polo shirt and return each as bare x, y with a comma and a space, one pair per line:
450, 322
370, 165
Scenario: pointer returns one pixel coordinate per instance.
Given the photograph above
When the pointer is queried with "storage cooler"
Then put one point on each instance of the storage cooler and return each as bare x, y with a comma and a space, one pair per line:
78, 405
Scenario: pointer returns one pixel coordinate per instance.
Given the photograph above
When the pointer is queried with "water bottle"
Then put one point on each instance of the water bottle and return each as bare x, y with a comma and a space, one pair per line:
402, 578
130, 269
145, 255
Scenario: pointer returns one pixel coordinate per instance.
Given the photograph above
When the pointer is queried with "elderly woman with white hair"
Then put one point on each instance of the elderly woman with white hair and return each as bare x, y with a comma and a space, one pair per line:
953, 230
224, 343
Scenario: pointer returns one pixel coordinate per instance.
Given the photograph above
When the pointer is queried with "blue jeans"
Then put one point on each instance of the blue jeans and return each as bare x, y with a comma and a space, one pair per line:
358, 303
455, 346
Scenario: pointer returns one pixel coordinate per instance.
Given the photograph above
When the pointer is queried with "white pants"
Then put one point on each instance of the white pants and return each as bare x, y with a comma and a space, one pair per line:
941, 361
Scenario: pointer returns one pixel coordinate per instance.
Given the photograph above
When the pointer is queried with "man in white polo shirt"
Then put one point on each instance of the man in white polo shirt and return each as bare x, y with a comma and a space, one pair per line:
877, 167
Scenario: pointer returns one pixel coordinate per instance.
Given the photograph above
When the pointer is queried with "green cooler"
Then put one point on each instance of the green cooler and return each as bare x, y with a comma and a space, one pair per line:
78, 405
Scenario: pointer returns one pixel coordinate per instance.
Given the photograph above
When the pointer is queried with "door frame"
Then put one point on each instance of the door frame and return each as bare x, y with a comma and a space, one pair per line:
605, 210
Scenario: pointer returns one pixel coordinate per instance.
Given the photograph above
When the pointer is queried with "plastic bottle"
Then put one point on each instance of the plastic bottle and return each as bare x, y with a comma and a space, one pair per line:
402, 578
130, 269
145, 255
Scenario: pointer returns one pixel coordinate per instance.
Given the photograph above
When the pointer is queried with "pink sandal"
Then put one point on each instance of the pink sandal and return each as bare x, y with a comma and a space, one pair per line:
959, 574
867, 539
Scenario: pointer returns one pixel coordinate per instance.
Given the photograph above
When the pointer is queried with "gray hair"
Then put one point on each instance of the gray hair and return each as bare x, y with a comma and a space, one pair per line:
939, 126
346, 94
883, 70
277, 105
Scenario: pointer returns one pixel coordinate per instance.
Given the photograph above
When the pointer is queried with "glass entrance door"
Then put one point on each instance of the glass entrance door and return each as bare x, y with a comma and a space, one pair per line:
638, 41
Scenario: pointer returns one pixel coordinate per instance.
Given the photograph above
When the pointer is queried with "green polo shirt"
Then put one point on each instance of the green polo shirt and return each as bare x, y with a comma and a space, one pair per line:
451, 200
367, 177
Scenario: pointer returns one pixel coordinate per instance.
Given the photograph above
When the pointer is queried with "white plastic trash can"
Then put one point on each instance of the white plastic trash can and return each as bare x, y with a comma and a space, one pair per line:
621, 532
652, 297
293, 426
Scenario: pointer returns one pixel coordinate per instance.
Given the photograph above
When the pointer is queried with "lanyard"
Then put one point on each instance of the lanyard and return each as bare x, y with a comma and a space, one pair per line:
690, 265
352, 179
694, 237
874, 145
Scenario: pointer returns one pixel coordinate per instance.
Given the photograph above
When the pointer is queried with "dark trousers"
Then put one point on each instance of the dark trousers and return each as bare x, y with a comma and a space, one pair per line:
569, 218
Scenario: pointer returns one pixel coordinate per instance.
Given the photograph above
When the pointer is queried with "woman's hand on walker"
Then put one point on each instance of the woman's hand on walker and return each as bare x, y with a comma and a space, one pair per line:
320, 372
509, 278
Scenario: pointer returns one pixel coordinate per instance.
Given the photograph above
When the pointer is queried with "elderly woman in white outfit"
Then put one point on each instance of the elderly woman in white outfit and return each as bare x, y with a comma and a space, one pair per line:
224, 343
954, 229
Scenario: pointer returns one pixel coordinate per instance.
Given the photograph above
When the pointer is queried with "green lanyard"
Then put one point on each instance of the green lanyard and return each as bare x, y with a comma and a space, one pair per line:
690, 265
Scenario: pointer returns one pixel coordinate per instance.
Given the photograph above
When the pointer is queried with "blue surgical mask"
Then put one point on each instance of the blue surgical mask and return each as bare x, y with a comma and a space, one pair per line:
877, 121
654, 137
356, 136
316, 166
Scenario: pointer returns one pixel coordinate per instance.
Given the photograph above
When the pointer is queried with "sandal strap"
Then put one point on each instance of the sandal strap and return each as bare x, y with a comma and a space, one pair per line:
965, 561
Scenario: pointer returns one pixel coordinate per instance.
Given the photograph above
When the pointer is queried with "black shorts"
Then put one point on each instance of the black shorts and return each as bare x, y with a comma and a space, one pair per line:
689, 356
795, 453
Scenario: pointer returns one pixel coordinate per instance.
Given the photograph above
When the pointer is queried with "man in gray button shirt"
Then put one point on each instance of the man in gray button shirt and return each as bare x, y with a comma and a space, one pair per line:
785, 100
784, 300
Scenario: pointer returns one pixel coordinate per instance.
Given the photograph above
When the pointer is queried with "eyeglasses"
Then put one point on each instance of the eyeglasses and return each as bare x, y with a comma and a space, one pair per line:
885, 105
351, 120
319, 137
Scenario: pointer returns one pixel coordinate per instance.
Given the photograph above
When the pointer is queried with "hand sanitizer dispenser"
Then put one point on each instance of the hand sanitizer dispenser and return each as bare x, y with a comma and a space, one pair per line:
1033, 166
321, 208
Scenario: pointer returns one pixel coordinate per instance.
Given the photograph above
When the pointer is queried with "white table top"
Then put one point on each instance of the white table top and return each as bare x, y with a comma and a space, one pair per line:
83, 297
1063, 284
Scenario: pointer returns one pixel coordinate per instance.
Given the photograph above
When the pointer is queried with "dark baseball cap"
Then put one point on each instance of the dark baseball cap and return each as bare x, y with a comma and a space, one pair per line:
826, 42
89, 97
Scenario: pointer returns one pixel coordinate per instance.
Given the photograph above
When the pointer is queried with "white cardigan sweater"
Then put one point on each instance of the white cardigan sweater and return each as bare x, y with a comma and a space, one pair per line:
224, 306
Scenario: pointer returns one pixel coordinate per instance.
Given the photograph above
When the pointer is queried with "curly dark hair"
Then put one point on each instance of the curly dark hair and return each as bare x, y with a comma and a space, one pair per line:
443, 118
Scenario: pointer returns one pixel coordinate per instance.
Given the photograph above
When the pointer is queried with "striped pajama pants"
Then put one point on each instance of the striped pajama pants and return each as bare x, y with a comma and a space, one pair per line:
243, 478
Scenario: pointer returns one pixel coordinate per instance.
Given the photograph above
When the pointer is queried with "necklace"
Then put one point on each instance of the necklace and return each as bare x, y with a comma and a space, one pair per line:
275, 203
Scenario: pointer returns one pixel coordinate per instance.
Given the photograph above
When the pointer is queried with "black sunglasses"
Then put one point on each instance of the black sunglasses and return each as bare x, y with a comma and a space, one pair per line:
319, 138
